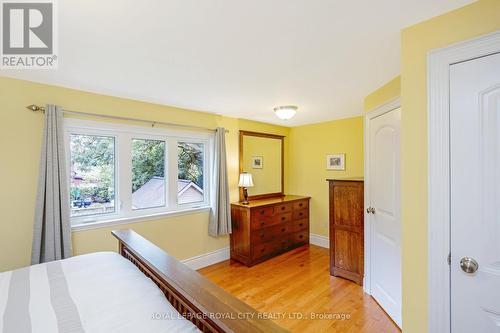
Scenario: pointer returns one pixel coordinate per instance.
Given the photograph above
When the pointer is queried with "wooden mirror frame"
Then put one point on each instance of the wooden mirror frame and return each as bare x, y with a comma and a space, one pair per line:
269, 136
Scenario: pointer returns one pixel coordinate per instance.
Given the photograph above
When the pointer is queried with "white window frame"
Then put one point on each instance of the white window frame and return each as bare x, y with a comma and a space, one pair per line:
123, 135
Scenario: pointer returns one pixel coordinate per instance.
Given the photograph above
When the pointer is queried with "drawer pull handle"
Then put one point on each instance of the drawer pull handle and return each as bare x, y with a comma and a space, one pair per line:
283, 207
283, 218
300, 204
262, 212
263, 249
301, 236
262, 223
283, 229
301, 224
300, 214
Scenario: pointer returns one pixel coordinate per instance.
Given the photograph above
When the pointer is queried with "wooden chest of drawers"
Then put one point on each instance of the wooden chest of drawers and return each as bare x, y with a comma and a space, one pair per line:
347, 229
268, 227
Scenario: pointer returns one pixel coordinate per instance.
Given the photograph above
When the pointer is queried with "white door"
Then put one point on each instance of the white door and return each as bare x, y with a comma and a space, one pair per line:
475, 195
383, 214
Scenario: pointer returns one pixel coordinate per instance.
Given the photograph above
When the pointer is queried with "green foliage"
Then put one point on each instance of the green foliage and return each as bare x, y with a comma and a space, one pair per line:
191, 162
75, 193
90, 151
148, 161
97, 194
92, 158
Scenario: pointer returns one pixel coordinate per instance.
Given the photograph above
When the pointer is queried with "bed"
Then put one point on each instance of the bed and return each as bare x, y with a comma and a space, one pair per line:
141, 289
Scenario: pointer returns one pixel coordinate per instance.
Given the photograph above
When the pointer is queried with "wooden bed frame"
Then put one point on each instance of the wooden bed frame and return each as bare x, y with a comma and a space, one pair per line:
208, 306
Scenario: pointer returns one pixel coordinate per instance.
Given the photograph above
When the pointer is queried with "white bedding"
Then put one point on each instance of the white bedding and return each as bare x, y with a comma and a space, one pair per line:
99, 292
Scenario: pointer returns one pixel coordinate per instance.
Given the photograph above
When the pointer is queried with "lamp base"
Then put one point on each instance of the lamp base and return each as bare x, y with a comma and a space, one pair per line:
245, 196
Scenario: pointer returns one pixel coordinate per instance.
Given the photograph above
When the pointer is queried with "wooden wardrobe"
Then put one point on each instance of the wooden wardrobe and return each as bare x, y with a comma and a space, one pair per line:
347, 228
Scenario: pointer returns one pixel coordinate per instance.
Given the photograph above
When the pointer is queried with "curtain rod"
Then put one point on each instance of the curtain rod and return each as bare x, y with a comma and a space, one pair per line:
37, 108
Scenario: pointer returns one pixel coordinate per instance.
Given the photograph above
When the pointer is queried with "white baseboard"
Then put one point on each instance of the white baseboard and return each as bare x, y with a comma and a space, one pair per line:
207, 259
319, 240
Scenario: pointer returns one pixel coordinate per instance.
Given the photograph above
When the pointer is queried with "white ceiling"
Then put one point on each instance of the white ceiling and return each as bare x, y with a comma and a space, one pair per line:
236, 57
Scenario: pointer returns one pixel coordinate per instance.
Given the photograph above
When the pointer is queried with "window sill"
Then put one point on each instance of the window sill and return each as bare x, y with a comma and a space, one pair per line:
136, 219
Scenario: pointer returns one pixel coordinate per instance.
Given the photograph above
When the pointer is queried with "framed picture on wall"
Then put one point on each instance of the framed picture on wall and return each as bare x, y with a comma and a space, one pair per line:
257, 162
335, 162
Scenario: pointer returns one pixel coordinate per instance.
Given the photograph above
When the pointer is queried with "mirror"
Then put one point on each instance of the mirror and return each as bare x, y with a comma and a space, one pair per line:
261, 155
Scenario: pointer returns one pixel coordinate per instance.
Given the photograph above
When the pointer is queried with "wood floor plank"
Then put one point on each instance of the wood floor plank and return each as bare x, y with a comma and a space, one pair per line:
297, 291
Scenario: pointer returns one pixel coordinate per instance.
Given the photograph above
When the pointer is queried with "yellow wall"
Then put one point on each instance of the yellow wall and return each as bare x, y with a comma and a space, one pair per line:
183, 236
267, 179
305, 169
20, 141
308, 147
468, 22
384, 94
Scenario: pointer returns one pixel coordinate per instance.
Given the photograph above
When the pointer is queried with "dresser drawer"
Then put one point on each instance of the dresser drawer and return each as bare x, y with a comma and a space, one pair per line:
283, 208
299, 225
300, 214
285, 244
262, 211
278, 231
303, 204
301, 237
283, 218
273, 247
264, 249
259, 222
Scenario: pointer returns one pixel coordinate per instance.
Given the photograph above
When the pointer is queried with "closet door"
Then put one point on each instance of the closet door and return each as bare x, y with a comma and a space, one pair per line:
475, 195
383, 211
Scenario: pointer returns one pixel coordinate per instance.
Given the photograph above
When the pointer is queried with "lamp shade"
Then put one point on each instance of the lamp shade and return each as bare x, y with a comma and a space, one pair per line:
245, 180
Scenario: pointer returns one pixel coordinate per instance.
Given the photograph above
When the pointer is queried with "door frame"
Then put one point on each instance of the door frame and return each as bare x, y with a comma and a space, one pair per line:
376, 112
438, 182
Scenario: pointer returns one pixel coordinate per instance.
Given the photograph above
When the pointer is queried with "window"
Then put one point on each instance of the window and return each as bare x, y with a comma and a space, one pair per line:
190, 172
120, 171
92, 175
148, 173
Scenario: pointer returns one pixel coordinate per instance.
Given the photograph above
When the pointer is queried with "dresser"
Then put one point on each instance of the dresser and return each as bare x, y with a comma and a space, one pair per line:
267, 227
346, 198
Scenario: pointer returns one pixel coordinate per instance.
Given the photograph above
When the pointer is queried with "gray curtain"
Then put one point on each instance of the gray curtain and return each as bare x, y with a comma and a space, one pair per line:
220, 217
52, 230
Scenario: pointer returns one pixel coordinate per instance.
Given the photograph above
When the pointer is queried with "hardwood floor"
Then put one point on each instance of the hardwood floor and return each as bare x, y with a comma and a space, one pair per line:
296, 287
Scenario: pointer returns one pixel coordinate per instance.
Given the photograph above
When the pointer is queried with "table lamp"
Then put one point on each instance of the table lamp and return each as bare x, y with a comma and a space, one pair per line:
245, 181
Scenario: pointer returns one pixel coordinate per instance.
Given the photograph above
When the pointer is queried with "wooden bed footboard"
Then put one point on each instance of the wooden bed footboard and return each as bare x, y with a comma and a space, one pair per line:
205, 304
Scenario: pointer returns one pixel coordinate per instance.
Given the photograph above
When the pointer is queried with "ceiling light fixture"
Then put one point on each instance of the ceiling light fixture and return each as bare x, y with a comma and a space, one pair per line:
285, 112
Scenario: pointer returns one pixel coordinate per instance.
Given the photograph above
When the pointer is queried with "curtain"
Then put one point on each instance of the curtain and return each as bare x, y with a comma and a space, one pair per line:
52, 230
220, 217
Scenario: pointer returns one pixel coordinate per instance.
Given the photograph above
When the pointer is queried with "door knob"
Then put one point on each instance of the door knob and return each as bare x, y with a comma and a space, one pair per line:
468, 265
370, 210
